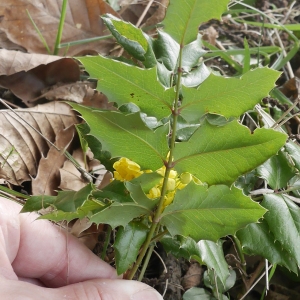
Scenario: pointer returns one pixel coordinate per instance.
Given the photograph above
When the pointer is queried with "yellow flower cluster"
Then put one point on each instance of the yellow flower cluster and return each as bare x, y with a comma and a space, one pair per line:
126, 170
174, 182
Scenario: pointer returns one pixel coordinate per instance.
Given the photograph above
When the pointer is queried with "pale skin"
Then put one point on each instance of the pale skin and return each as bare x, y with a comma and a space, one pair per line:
37, 261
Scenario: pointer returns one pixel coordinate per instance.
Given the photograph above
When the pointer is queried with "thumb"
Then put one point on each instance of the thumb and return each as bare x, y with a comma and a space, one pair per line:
96, 289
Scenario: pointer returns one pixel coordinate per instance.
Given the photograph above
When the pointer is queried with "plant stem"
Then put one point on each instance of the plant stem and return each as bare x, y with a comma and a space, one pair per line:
60, 26
169, 166
106, 242
146, 262
240, 253
270, 277
39, 33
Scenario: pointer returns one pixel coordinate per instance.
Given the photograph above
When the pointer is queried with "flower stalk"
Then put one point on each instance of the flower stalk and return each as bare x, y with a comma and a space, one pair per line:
154, 229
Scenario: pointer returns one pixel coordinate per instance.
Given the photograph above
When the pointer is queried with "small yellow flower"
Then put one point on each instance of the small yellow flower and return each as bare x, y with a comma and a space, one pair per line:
171, 184
126, 169
169, 198
155, 192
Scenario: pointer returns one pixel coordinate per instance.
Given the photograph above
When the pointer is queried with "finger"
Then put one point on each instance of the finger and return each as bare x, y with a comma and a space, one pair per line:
100, 289
44, 251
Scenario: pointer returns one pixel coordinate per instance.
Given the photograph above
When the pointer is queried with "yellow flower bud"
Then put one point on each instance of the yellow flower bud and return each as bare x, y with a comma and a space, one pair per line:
173, 174
126, 169
186, 177
161, 171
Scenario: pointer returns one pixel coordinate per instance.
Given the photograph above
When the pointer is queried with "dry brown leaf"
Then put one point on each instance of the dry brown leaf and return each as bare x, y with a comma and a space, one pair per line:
98, 100
26, 75
74, 92
47, 179
82, 21
193, 276
15, 61
70, 177
210, 35
158, 15
21, 147
5, 43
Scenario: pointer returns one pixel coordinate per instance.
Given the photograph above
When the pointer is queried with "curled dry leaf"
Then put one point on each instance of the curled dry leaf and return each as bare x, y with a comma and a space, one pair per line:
21, 147
26, 75
47, 179
82, 21
74, 92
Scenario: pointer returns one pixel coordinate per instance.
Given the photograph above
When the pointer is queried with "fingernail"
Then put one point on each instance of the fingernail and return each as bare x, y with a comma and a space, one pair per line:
147, 294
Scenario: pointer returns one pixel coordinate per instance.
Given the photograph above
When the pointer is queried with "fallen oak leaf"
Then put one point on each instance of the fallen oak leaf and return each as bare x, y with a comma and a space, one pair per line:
75, 92
21, 147
47, 180
82, 21
26, 75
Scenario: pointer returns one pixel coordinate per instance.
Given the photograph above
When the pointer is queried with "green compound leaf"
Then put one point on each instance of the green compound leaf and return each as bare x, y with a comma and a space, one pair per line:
258, 239
128, 243
218, 155
209, 214
138, 195
123, 83
208, 253
283, 218
229, 97
67, 205
85, 210
277, 171
120, 214
133, 40
293, 150
68, 201
184, 17
124, 207
191, 53
166, 50
196, 293
35, 203
127, 136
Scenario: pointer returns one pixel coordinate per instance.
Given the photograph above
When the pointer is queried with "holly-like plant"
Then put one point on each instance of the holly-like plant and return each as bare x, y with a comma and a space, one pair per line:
176, 146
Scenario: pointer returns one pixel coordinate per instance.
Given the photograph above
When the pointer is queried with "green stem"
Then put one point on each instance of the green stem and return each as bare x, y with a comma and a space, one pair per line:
60, 27
106, 242
39, 33
169, 166
85, 41
240, 253
146, 262
269, 279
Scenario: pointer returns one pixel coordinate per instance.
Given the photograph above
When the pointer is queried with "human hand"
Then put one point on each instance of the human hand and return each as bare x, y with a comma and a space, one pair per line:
37, 260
